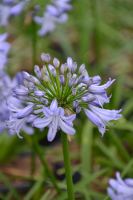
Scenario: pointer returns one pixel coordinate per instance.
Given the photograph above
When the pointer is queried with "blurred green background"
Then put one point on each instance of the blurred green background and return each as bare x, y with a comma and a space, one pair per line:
99, 34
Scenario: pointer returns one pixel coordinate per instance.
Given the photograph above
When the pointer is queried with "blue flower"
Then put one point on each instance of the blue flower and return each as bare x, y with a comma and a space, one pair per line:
49, 22
8, 9
8, 116
121, 189
18, 117
101, 117
53, 15
73, 92
55, 119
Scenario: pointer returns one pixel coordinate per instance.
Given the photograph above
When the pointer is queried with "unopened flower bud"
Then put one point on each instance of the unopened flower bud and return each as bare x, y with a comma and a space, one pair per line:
26, 75
75, 104
36, 68
74, 91
61, 78
89, 82
34, 79
44, 70
45, 57
80, 79
26, 83
63, 68
21, 98
69, 63
74, 67
45, 78
82, 67
71, 82
45, 101
69, 75
38, 74
78, 109
39, 93
53, 72
56, 63
84, 72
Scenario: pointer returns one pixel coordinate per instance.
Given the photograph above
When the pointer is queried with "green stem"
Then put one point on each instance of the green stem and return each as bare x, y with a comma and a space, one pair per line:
34, 42
67, 164
40, 154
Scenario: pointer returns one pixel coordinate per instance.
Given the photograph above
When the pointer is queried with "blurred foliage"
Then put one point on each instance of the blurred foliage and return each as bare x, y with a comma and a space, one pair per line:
99, 34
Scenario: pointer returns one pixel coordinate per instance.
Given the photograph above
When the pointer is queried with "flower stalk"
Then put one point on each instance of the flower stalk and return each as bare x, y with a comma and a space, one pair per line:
40, 154
67, 164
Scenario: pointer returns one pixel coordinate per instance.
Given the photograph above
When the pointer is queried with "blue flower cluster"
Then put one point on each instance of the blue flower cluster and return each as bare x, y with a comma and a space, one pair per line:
71, 91
53, 15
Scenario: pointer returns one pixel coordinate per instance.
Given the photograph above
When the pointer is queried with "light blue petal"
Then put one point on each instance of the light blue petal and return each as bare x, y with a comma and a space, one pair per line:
96, 80
129, 182
26, 111
18, 125
112, 194
17, 9
38, 111
31, 118
38, 19
53, 129
22, 92
39, 93
47, 112
106, 115
66, 128
95, 120
54, 105
59, 111
69, 118
42, 122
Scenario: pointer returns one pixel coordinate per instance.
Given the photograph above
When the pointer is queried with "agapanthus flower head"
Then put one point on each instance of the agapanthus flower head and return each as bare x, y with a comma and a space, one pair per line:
57, 93
7, 85
53, 15
120, 189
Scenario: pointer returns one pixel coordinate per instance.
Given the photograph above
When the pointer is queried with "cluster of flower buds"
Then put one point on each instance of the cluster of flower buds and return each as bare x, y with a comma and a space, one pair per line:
58, 93
120, 189
53, 15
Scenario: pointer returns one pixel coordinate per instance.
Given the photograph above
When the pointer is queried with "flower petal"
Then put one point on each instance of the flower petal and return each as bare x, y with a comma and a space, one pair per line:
95, 120
26, 111
59, 111
53, 129
42, 122
105, 114
69, 118
18, 125
54, 105
47, 112
66, 128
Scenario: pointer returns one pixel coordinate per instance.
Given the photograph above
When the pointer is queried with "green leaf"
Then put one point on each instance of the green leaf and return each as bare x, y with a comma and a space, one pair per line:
108, 153
45, 196
9, 186
85, 181
33, 190
86, 146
